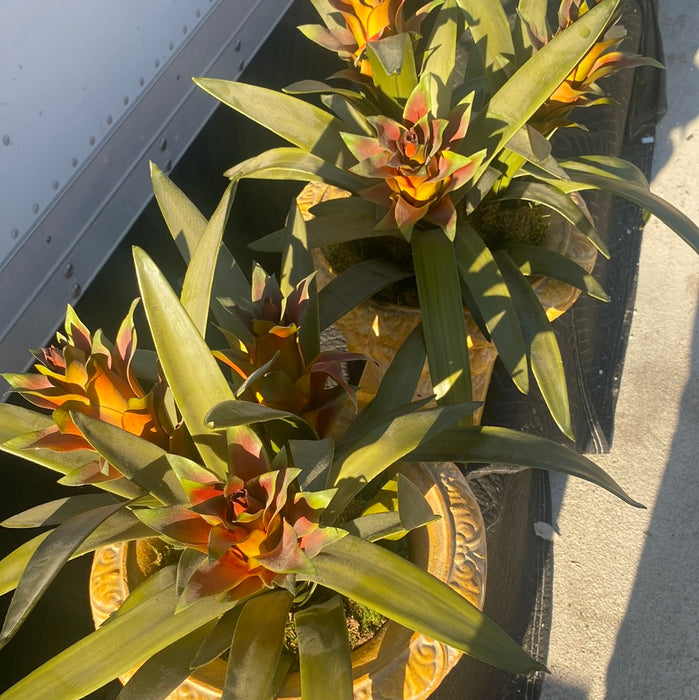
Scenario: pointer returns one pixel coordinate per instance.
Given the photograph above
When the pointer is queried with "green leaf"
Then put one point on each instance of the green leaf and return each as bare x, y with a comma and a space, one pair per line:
17, 421
324, 651
396, 389
121, 526
257, 645
626, 180
304, 125
439, 56
371, 575
351, 287
191, 371
116, 647
518, 99
442, 312
384, 444
553, 198
139, 460
199, 278
540, 340
187, 226
288, 163
167, 669
313, 458
297, 265
219, 640
58, 511
231, 414
535, 261
48, 559
392, 70
491, 444
491, 33
337, 221
490, 294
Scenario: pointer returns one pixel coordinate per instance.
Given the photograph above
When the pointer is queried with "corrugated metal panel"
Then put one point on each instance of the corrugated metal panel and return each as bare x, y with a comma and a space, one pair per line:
95, 91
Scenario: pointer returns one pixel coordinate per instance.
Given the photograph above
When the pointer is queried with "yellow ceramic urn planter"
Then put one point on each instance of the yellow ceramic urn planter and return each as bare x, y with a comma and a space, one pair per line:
379, 329
395, 663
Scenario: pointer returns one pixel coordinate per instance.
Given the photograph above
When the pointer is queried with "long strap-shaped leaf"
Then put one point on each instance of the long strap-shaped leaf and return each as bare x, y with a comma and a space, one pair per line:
256, 647
442, 312
191, 371
288, 163
324, 652
16, 422
116, 647
544, 353
199, 278
167, 669
492, 297
626, 180
356, 285
141, 461
383, 445
56, 512
48, 560
337, 221
439, 58
490, 30
187, 225
519, 98
310, 128
492, 444
121, 526
537, 261
297, 265
372, 575
397, 386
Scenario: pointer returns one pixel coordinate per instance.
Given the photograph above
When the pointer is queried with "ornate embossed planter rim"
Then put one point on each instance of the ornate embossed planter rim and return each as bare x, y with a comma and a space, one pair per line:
451, 548
378, 330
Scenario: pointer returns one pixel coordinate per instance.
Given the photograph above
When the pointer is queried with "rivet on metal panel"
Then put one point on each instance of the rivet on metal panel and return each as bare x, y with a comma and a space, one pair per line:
238, 45
157, 63
163, 145
125, 100
74, 162
197, 14
14, 233
76, 291
109, 119
48, 240
184, 28
6, 140
54, 185
168, 165
91, 140
35, 208
141, 81
68, 271
241, 65
171, 45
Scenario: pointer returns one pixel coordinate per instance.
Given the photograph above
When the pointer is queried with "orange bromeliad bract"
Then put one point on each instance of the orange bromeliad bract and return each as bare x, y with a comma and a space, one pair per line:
418, 161
580, 88
255, 529
266, 354
86, 374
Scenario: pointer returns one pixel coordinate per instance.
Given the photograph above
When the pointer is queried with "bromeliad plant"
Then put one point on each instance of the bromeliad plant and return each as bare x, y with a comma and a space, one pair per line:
441, 123
250, 500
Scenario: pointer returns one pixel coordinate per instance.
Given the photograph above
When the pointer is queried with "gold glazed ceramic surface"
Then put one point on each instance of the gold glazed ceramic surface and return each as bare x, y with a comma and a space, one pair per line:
451, 548
378, 330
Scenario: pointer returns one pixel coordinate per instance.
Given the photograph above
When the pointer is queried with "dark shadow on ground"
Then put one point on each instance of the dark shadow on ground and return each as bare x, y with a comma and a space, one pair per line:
659, 638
